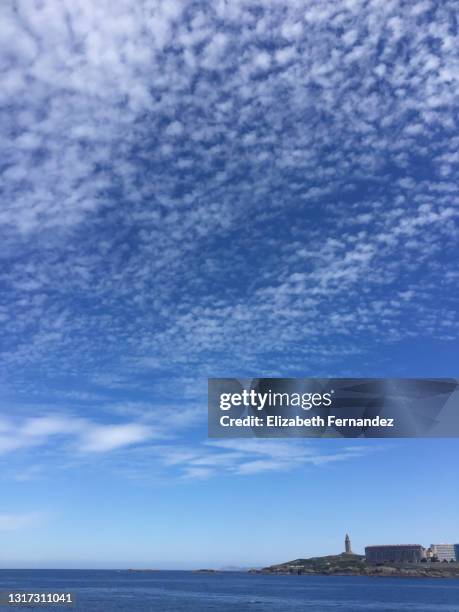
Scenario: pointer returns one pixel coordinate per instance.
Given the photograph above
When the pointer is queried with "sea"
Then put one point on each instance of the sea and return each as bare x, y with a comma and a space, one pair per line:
174, 591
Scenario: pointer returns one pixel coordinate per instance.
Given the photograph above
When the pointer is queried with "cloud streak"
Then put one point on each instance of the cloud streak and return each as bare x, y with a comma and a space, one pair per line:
252, 457
81, 435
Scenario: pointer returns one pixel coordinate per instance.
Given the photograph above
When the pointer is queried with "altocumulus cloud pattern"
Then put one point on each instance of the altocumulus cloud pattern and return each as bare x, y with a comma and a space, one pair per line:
221, 188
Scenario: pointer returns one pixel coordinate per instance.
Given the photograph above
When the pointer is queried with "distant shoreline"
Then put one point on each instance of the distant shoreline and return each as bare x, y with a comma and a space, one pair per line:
317, 566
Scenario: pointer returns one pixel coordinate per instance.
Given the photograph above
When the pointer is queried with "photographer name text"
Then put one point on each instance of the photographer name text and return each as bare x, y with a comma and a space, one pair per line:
315, 421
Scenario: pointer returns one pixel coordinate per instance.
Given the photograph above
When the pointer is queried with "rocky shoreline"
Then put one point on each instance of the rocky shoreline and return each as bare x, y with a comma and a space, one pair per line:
355, 565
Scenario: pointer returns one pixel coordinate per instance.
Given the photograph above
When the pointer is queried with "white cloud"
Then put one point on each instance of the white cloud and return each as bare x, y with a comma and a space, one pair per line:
285, 55
246, 457
75, 434
110, 437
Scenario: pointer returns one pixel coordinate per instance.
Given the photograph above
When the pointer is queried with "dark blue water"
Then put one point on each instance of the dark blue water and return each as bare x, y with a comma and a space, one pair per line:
112, 591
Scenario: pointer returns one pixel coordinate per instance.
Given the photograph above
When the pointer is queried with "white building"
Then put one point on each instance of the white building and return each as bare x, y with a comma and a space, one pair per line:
444, 552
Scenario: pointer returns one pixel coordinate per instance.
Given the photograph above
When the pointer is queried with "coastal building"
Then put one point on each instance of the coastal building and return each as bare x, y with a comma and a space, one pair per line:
395, 553
347, 545
445, 552
456, 550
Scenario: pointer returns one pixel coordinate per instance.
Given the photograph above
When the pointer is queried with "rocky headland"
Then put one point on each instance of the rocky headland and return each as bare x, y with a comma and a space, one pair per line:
347, 564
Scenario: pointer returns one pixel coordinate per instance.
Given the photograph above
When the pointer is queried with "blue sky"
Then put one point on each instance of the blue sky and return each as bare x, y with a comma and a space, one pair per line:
196, 189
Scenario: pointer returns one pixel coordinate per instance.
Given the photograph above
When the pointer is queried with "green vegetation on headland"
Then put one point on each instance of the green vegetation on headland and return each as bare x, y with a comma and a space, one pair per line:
355, 565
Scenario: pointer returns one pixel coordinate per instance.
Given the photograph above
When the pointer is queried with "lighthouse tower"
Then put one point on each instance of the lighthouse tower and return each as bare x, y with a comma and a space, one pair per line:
347, 545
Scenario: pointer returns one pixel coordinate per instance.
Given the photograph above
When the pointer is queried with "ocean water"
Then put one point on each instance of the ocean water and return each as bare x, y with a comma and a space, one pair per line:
122, 591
